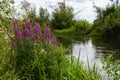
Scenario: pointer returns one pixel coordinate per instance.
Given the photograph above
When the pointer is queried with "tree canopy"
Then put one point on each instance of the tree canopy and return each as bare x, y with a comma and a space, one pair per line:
108, 21
62, 17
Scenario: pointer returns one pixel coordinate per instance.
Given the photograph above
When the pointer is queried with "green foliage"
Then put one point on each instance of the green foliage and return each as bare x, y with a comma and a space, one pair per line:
6, 54
112, 68
26, 8
24, 41
34, 61
82, 27
6, 8
65, 31
49, 61
6, 57
6, 14
24, 59
30, 13
37, 60
43, 17
62, 17
108, 22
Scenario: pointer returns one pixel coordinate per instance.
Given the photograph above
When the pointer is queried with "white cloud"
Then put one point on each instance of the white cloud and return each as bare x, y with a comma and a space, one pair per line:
88, 12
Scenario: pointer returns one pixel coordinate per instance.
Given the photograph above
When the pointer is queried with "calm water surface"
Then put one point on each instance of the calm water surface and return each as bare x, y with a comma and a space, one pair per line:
93, 49
87, 51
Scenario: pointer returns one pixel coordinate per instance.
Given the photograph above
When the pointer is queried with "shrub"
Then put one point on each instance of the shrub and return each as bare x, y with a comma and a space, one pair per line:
38, 56
62, 17
82, 27
107, 23
24, 42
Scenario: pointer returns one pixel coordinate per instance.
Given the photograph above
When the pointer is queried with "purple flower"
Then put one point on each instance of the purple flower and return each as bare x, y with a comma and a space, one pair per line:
54, 40
28, 24
47, 32
25, 32
32, 36
46, 39
18, 35
38, 29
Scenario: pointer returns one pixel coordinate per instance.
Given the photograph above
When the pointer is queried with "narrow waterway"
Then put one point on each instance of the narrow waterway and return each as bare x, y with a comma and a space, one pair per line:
93, 49
88, 52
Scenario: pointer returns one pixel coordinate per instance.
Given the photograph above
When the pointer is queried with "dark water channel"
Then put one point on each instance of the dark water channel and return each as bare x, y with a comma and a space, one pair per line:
92, 49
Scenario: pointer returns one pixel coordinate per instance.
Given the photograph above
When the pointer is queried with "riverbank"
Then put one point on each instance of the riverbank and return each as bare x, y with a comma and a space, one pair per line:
24, 56
40, 57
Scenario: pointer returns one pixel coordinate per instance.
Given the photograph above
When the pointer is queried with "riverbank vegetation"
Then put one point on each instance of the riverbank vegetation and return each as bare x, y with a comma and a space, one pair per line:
107, 22
29, 49
36, 54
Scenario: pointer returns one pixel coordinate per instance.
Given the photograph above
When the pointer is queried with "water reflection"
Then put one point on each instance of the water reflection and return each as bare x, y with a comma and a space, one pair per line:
96, 48
87, 51
93, 49
108, 46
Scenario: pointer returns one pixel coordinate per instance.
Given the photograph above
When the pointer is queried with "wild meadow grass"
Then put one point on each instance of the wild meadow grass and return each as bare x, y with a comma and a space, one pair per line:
70, 31
35, 54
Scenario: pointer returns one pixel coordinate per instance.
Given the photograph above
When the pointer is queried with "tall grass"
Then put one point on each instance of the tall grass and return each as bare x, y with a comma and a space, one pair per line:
112, 68
40, 58
81, 28
65, 31
6, 58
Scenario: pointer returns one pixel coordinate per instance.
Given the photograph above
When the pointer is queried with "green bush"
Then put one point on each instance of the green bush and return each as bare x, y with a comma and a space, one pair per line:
40, 57
82, 27
107, 23
62, 17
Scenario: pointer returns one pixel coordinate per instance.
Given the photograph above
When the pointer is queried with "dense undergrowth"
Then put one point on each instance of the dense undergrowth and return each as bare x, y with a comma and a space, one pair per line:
34, 54
81, 28
29, 51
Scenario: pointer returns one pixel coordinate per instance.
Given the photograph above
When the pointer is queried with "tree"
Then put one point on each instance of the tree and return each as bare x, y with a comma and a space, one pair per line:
62, 17
30, 13
43, 14
82, 27
7, 12
43, 17
108, 24
6, 8
28, 9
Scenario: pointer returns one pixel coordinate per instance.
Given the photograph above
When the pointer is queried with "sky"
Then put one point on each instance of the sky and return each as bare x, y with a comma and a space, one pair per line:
87, 11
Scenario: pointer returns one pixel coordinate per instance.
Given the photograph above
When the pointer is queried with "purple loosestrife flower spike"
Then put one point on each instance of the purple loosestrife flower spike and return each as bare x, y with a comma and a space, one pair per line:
25, 32
32, 36
54, 40
46, 39
18, 35
38, 29
47, 32
28, 24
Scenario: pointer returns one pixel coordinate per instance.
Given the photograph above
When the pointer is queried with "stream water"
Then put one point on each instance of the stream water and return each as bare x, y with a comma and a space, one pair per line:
93, 49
